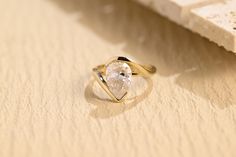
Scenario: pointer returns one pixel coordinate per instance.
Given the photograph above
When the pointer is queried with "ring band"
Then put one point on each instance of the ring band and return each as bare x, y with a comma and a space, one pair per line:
115, 76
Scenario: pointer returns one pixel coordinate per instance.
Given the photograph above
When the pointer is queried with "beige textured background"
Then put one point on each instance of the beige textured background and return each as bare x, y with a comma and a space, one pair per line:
47, 107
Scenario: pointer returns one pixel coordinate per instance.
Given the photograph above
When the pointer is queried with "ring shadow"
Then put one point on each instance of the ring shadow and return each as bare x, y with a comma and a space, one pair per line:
200, 67
106, 108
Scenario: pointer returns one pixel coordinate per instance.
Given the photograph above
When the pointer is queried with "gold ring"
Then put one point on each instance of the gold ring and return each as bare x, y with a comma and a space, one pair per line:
115, 76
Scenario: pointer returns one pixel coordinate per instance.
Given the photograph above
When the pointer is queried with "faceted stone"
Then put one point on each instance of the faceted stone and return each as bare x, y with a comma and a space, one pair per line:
118, 76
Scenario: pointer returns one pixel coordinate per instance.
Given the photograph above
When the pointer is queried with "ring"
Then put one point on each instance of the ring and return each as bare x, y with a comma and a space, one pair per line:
115, 77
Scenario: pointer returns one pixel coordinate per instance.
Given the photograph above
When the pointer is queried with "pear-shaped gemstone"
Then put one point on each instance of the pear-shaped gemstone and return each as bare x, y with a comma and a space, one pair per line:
118, 76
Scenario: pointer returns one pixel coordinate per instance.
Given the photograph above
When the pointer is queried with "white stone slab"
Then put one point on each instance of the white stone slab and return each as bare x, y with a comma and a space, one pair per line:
213, 19
216, 22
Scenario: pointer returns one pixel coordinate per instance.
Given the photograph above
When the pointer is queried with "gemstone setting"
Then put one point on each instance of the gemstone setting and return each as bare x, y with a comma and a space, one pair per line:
118, 77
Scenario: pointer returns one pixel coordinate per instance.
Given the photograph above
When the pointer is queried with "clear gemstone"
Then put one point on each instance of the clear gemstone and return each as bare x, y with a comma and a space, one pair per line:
118, 76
